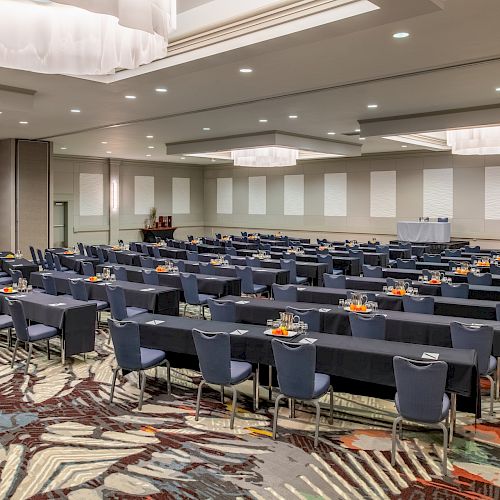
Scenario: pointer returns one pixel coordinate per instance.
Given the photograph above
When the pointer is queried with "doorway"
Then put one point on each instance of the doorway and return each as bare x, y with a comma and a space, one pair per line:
60, 227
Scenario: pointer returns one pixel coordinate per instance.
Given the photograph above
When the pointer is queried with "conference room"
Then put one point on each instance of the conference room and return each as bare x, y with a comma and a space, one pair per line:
249, 249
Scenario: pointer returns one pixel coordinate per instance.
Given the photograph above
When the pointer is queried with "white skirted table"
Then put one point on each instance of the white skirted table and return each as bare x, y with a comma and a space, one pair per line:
424, 232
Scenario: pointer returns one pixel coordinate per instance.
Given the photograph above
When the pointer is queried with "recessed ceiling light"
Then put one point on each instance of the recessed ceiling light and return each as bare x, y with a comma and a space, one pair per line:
263, 120
148, 155
331, 133
358, 130
183, 157
149, 136
292, 117
109, 152
75, 110
362, 138
23, 123
246, 70
130, 97
404, 146
372, 106
161, 90
213, 160
206, 129
151, 147
401, 34
63, 148
104, 142
498, 89
1, 112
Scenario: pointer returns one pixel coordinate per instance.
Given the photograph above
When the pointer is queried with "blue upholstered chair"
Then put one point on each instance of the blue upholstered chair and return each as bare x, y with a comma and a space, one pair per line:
192, 296
88, 268
206, 268
217, 367
49, 285
49, 261
112, 257
479, 338
265, 246
253, 262
130, 356
120, 273
406, 264
392, 281
248, 287
287, 293
79, 292
421, 305
385, 249
100, 255
328, 260
291, 266
367, 327
469, 249
453, 253
497, 307
144, 248
150, 277
81, 248
290, 256
147, 262
192, 256
494, 269
455, 290
33, 255
334, 281
231, 251
485, 279
357, 254
118, 304
41, 261
88, 251
404, 245
222, 310
310, 316
370, 296
156, 253
298, 380
428, 257
372, 271
427, 273
420, 397
15, 275
29, 334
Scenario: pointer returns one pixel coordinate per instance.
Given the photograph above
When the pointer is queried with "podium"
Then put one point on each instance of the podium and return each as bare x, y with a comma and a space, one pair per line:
149, 235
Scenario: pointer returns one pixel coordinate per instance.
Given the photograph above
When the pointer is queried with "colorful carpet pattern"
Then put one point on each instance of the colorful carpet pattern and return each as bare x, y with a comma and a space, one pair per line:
61, 439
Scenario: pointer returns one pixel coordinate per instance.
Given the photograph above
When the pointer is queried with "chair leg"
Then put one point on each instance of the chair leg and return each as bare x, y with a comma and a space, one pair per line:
185, 307
445, 448
142, 378
28, 359
492, 393
113, 383
318, 416
275, 417
198, 398
393, 439
9, 337
270, 385
222, 394
48, 349
255, 391
169, 379
14, 354
235, 404
291, 406
331, 405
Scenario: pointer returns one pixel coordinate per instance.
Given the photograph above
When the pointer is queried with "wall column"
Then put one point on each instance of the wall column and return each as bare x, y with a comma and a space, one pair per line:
114, 201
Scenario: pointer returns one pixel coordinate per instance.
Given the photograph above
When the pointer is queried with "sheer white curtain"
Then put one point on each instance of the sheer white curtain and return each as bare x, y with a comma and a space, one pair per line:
84, 37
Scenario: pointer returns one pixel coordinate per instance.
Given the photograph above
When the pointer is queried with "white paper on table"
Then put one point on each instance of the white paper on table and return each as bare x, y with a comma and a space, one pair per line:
155, 322
243, 302
323, 310
430, 355
147, 289
58, 304
18, 296
301, 289
307, 341
238, 332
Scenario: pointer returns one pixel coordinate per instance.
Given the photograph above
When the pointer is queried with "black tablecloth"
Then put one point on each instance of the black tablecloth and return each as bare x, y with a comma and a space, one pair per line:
173, 253
372, 259
364, 360
74, 318
74, 262
25, 266
157, 299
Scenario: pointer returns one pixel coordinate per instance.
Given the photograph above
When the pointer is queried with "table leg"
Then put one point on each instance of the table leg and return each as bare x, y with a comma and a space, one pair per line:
63, 350
497, 380
453, 415
257, 385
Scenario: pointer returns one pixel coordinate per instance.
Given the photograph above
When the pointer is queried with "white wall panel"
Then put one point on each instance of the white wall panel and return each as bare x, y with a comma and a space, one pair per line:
91, 194
144, 194
224, 195
293, 203
438, 192
181, 195
492, 193
335, 188
257, 195
383, 193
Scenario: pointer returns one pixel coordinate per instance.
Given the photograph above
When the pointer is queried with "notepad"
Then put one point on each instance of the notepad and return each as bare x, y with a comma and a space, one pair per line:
323, 310
307, 341
243, 302
155, 322
238, 332
147, 290
57, 304
430, 355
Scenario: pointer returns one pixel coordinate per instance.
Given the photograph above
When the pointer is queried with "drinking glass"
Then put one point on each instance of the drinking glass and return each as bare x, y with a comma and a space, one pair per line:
341, 302
269, 322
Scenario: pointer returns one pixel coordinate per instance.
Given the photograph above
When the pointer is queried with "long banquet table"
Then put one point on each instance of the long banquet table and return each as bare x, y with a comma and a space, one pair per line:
25, 266
424, 232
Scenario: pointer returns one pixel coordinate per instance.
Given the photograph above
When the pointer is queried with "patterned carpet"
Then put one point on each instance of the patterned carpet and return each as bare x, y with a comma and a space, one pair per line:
61, 439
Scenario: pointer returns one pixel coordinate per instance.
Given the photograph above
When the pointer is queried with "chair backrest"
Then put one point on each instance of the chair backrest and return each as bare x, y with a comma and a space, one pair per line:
244, 233
265, 246
326, 259
146, 262
485, 279
420, 388
310, 316
288, 255
133, 246
222, 310
206, 268
427, 272
442, 219
156, 253
126, 343
78, 290
427, 257
357, 254
41, 260
331, 281
494, 269
497, 307
49, 285
81, 249
291, 266
370, 296
112, 257
190, 237
190, 288
455, 290
253, 262
286, 293
16, 275
57, 262
406, 264
421, 305
150, 277
296, 366
383, 249
479, 338
33, 255
120, 273
89, 251
121, 242
452, 253
16, 311
246, 277
368, 327
50, 261
218, 236
192, 256
392, 281
405, 245
88, 268
231, 251
117, 302
372, 271
100, 255
469, 249
214, 355
144, 248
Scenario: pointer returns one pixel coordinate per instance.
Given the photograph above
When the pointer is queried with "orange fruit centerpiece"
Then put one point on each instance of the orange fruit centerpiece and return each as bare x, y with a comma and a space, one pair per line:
161, 269
435, 282
8, 289
280, 331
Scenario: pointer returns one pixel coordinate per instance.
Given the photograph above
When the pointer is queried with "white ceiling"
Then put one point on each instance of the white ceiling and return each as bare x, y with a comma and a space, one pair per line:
325, 75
